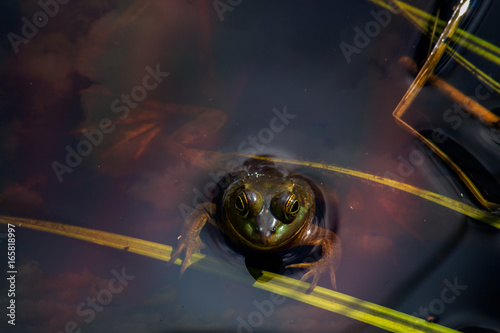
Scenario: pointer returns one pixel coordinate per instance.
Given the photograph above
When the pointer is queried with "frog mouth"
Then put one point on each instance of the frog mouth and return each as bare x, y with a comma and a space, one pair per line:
264, 243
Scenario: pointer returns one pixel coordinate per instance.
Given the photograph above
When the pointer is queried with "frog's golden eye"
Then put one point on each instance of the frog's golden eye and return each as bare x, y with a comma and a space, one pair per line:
292, 207
285, 207
241, 204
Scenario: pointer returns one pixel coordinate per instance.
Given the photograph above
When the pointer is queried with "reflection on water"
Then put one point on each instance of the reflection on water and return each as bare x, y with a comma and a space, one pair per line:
256, 63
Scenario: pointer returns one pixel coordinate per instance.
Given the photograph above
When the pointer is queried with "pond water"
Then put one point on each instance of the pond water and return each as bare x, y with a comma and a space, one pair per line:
314, 81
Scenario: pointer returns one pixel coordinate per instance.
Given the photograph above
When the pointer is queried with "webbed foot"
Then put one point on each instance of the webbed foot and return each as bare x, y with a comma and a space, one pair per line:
189, 240
332, 253
316, 269
190, 246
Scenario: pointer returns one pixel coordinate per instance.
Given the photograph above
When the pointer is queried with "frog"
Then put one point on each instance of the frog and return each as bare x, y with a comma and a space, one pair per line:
264, 207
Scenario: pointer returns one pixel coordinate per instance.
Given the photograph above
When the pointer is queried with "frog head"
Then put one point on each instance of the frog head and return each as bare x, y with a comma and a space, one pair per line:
267, 211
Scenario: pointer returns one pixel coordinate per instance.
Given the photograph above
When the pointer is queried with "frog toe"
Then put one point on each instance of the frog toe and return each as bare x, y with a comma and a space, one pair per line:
184, 265
176, 254
314, 273
187, 259
315, 278
333, 279
300, 265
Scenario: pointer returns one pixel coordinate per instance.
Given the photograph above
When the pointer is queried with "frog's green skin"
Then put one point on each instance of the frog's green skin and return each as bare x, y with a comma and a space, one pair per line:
264, 207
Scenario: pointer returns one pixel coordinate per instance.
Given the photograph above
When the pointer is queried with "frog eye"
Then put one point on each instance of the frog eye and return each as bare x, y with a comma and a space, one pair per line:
285, 207
292, 207
241, 204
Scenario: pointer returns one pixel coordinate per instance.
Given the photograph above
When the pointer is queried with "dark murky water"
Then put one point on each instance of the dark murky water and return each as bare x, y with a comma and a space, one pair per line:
296, 80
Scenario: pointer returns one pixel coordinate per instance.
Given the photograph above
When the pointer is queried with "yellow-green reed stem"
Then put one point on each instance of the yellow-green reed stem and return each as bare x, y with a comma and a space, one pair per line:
355, 308
439, 199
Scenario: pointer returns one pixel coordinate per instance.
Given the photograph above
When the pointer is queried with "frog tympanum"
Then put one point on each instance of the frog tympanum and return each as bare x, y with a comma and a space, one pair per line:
264, 207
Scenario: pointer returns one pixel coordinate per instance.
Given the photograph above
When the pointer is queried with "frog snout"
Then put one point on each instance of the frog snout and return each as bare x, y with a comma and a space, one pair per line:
266, 230
265, 235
